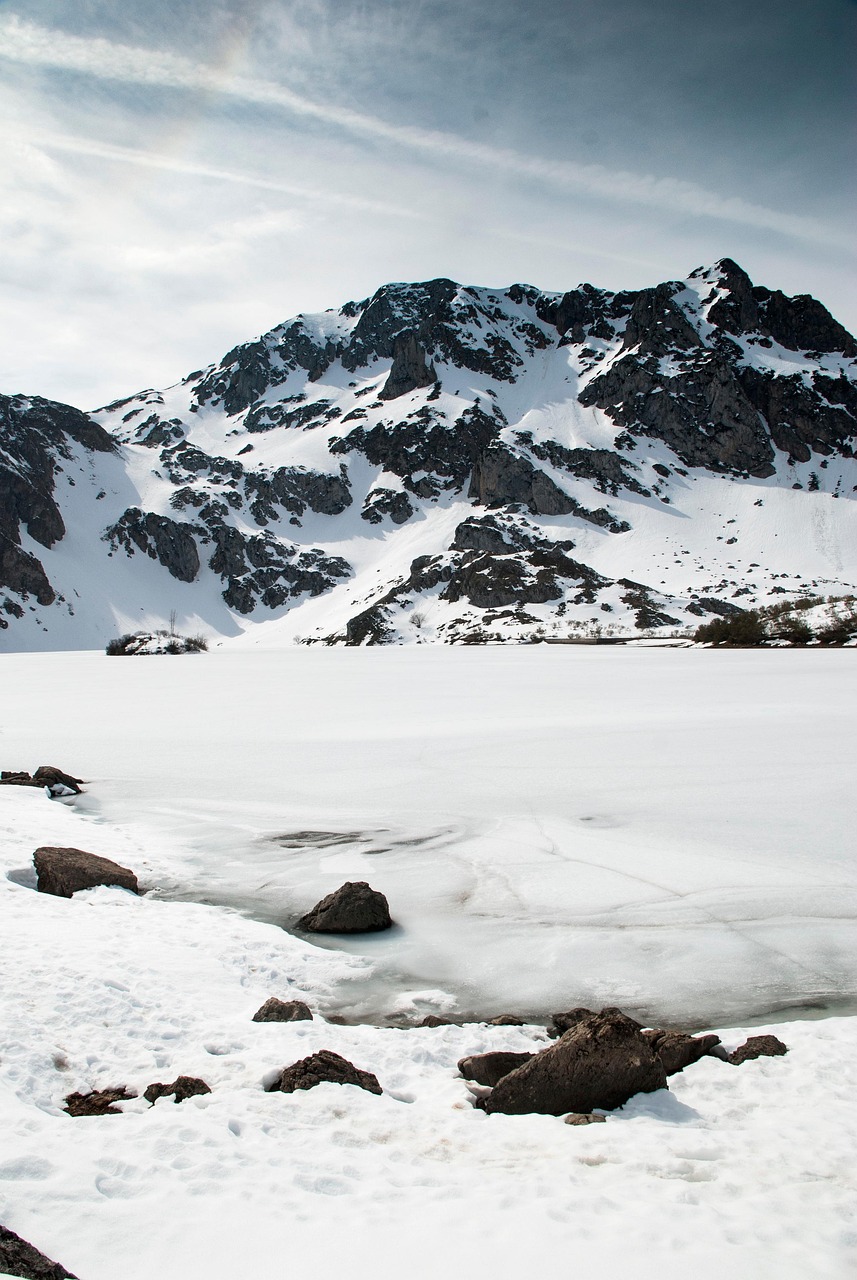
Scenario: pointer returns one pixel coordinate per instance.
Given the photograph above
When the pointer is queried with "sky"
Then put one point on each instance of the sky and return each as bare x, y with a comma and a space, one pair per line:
177, 176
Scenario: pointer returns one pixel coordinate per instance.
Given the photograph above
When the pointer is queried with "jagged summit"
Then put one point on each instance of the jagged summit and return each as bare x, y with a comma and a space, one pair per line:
443, 461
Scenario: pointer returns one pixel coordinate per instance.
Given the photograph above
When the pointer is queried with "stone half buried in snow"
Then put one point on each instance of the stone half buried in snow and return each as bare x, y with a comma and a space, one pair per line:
101, 1102
353, 908
324, 1067
275, 1010
677, 1050
19, 1258
490, 1068
758, 1047
601, 1062
63, 872
181, 1088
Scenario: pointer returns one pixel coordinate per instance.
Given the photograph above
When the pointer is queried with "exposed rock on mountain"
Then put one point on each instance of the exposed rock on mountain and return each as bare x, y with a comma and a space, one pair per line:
665, 436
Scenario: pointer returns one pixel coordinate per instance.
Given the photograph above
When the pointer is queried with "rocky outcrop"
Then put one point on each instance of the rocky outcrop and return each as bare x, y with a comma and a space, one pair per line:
393, 503
101, 1102
799, 324
262, 569
410, 369
758, 1047
182, 1087
64, 872
18, 1258
490, 1068
677, 1050
599, 1063
324, 1067
47, 776
274, 1010
170, 543
353, 908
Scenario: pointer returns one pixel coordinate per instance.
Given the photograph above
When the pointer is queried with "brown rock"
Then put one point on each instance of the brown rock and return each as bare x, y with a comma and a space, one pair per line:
182, 1087
677, 1050
98, 1103
577, 1118
563, 1022
47, 775
319, 1068
488, 1068
434, 1020
18, 1258
758, 1047
601, 1062
274, 1010
63, 872
353, 908
506, 1020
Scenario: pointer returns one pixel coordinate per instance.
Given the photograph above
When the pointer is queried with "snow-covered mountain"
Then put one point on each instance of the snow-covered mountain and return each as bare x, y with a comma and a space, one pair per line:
448, 463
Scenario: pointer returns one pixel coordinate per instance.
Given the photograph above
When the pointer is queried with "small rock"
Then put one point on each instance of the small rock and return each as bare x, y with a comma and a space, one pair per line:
506, 1020
435, 1020
579, 1117
98, 1103
601, 1062
322, 1067
18, 1258
274, 1010
488, 1068
182, 1087
353, 908
47, 775
677, 1050
758, 1047
62, 872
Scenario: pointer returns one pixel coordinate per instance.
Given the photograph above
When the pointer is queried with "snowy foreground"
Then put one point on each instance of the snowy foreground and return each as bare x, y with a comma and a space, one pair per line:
663, 830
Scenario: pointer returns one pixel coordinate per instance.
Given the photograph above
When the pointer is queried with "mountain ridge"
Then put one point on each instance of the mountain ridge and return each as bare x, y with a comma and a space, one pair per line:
447, 462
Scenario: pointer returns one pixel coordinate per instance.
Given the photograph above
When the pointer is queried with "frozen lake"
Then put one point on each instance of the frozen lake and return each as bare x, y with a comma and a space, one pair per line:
666, 830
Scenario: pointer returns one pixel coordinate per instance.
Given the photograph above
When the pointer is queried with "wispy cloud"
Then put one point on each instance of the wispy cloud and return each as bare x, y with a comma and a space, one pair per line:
105, 60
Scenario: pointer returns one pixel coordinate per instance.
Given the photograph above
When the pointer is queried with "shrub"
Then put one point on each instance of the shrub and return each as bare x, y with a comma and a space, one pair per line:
740, 629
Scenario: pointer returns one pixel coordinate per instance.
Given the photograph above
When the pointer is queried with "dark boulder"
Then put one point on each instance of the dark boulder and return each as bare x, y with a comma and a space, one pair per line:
274, 1010
47, 775
488, 1068
758, 1047
353, 908
506, 1020
182, 1087
563, 1022
18, 1258
63, 872
434, 1020
98, 1103
677, 1050
601, 1062
322, 1068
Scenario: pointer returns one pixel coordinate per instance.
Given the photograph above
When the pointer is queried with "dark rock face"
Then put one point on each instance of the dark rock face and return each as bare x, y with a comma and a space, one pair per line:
274, 1010
387, 502
489, 1068
35, 437
601, 1062
161, 538
371, 626
321, 1068
799, 324
758, 1047
18, 1258
99, 1103
57, 782
562, 1022
677, 1050
261, 569
181, 1088
410, 369
353, 908
63, 872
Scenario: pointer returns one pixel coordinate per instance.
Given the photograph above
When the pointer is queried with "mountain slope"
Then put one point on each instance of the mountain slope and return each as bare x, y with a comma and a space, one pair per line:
441, 462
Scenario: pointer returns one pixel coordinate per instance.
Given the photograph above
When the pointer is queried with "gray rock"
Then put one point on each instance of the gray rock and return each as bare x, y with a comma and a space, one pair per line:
410, 368
274, 1010
18, 1258
489, 1068
353, 908
320, 1068
63, 872
601, 1062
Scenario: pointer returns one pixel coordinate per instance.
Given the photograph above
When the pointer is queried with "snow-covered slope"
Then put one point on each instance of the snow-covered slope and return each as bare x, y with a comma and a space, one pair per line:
448, 463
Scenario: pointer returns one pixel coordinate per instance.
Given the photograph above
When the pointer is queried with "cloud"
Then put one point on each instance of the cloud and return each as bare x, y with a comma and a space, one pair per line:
106, 60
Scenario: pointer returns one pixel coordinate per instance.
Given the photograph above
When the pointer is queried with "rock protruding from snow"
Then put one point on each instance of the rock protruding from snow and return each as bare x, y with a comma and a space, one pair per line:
101, 1102
274, 1010
47, 775
577, 1117
601, 1062
410, 368
353, 908
489, 1068
677, 1050
758, 1047
324, 1067
18, 1258
63, 872
181, 1088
